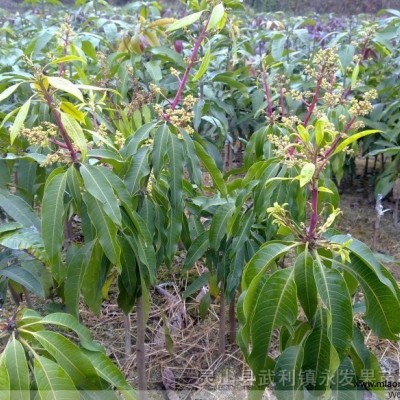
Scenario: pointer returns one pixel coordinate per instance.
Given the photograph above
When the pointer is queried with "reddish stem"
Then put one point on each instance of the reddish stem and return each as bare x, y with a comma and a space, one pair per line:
282, 102
267, 90
59, 123
58, 143
182, 82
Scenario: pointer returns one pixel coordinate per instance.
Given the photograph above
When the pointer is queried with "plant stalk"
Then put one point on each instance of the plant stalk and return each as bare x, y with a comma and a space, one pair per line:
222, 324
127, 336
141, 349
59, 123
192, 60
232, 321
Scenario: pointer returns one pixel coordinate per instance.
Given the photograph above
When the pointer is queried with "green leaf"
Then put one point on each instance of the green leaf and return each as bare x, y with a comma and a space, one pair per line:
19, 120
69, 356
212, 169
205, 62
105, 228
216, 16
219, 223
335, 296
196, 285
75, 132
306, 174
65, 86
24, 278
53, 216
77, 261
52, 381
196, 250
317, 358
269, 305
17, 368
65, 59
288, 373
110, 373
261, 261
175, 167
354, 76
18, 209
71, 110
382, 305
160, 147
137, 170
9, 91
305, 282
346, 142
185, 21
70, 322
4, 381
99, 186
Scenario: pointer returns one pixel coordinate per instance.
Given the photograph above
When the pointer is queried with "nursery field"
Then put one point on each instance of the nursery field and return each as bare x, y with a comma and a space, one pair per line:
198, 201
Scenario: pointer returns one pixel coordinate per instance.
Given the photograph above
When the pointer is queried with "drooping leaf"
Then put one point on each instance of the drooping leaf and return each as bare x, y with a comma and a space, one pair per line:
212, 169
97, 184
334, 294
160, 147
137, 170
196, 250
24, 278
185, 21
105, 228
52, 381
18, 371
271, 304
18, 209
75, 132
53, 216
219, 223
70, 358
77, 261
175, 167
305, 282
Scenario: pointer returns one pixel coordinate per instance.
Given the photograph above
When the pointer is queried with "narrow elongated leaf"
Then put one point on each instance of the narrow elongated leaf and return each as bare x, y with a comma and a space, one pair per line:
306, 174
219, 223
100, 187
273, 303
261, 261
216, 16
160, 147
24, 278
382, 306
353, 138
70, 109
138, 169
212, 169
288, 373
69, 356
305, 282
175, 167
205, 62
52, 381
334, 294
196, 250
65, 86
9, 91
185, 21
18, 209
75, 132
173, 234
19, 120
53, 216
76, 269
317, 358
18, 371
68, 321
105, 228
4, 381
364, 253
110, 373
